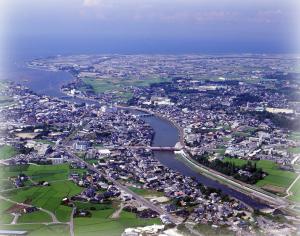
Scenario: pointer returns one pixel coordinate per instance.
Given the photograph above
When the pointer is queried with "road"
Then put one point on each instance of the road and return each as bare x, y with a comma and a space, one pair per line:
15, 219
54, 219
242, 187
72, 222
137, 197
290, 187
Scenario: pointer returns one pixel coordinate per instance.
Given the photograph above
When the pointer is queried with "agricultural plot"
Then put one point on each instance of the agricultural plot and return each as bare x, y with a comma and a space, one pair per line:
146, 192
7, 151
40, 229
100, 223
101, 85
37, 172
295, 192
48, 198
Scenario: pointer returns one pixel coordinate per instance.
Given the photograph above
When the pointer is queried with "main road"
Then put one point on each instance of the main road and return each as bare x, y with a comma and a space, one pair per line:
137, 197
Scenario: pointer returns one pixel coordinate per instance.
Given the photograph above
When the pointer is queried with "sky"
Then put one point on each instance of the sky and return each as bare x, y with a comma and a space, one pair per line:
149, 26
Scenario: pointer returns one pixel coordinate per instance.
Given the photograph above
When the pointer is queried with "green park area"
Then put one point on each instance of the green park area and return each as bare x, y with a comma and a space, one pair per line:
276, 181
7, 151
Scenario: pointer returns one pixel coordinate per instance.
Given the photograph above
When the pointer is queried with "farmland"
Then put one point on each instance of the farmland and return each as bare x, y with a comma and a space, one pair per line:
49, 198
296, 192
37, 172
101, 224
40, 229
146, 192
102, 85
7, 151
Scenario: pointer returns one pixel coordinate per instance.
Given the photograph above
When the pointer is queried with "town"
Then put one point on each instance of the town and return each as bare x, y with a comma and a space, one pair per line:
232, 121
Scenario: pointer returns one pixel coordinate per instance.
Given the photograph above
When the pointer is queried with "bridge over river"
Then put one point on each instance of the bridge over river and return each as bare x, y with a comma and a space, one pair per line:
148, 147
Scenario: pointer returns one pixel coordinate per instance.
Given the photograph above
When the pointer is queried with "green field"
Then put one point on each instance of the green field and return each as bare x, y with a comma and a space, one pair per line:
275, 177
294, 150
45, 142
296, 192
37, 172
294, 136
7, 151
48, 198
6, 184
5, 218
6, 101
39, 229
146, 192
100, 85
101, 224
35, 217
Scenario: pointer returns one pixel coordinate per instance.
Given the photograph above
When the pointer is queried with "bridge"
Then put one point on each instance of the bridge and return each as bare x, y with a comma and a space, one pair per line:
144, 115
150, 148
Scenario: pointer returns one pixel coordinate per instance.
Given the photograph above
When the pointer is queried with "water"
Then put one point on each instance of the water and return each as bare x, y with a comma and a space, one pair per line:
167, 135
49, 83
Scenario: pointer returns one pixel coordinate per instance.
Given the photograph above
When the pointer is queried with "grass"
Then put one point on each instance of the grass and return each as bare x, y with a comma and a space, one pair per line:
294, 150
7, 151
296, 192
146, 192
48, 197
39, 229
45, 142
6, 184
45, 197
37, 172
207, 230
294, 136
6, 101
88, 206
35, 217
100, 85
275, 177
101, 224
5, 218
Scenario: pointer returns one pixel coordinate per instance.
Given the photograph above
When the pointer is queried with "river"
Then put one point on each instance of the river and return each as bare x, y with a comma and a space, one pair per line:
49, 83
